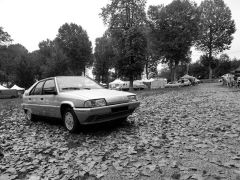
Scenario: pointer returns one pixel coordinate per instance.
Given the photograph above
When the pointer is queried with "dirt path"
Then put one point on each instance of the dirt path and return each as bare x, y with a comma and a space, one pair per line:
186, 133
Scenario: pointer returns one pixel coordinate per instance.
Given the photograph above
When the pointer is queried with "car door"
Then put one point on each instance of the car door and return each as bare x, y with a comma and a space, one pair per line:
34, 100
50, 102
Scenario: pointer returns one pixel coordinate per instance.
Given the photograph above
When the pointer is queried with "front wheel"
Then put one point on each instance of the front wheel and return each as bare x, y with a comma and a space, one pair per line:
70, 121
29, 116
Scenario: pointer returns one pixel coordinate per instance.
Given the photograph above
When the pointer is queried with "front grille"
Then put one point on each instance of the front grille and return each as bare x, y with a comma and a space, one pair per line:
113, 115
119, 109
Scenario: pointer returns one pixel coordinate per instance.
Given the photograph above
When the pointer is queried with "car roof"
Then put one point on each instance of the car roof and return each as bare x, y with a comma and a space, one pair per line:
58, 76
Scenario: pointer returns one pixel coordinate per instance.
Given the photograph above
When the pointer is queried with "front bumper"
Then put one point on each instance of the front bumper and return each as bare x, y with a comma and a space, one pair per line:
105, 113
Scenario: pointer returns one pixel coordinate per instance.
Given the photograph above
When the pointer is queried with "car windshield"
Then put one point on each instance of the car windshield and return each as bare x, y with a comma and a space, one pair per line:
69, 83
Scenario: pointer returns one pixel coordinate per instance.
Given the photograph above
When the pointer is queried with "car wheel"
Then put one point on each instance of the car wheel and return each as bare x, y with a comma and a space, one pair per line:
29, 116
70, 121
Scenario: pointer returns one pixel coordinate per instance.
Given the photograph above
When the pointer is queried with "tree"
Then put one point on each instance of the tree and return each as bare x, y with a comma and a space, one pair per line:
53, 61
9, 57
224, 65
24, 72
125, 20
174, 29
207, 62
152, 59
74, 41
104, 58
198, 70
216, 29
4, 37
132, 58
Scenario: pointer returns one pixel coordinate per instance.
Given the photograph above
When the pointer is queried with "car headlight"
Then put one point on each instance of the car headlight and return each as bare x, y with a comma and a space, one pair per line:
95, 103
132, 98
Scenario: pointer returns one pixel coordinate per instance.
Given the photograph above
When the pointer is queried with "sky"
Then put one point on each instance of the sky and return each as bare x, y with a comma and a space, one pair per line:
32, 21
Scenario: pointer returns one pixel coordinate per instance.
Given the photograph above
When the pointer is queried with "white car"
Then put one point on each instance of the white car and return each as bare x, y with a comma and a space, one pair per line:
77, 100
184, 82
172, 84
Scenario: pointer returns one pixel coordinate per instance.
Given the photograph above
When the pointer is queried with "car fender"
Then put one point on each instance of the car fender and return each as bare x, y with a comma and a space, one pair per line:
27, 109
70, 103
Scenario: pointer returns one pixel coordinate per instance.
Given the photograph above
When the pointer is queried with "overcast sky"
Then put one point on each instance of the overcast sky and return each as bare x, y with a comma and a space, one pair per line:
31, 21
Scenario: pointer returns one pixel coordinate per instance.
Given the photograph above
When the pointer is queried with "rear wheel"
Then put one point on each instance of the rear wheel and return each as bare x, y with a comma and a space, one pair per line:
70, 120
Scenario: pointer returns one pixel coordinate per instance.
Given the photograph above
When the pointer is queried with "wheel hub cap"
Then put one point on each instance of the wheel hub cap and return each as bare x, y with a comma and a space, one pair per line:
28, 115
69, 121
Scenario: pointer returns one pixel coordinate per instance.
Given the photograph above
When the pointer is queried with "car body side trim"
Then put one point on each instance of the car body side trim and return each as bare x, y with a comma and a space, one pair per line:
25, 104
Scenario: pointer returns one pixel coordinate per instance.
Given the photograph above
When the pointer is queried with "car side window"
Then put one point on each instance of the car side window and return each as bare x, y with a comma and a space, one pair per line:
49, 84
37, 89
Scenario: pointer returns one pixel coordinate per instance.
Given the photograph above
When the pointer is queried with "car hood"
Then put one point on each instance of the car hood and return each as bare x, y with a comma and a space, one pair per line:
111, 96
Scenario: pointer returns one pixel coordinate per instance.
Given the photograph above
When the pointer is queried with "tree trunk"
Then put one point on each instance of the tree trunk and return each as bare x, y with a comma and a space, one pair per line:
210, 55
147, 70
84, 71
187, 68
210, 71
175, 71
171, 71
131, 83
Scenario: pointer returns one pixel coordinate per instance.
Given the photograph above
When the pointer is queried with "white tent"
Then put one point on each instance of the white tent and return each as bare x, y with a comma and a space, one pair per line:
2, 87
17, 87
117, 81
158, 83
148, 80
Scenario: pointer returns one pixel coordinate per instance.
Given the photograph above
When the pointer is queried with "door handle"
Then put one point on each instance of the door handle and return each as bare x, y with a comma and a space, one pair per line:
41, 98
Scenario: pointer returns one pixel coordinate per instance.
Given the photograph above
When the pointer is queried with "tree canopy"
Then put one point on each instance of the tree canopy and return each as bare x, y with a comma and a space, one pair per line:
216, 29
4, 37
125, 20
104, 58
74, 41
174, 29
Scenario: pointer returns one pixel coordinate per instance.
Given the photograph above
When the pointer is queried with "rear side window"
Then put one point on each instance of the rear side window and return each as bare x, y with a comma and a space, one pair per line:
37, 90
49, 84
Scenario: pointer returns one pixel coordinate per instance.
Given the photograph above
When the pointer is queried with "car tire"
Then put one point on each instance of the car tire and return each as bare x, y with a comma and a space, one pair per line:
29, 116
70, 120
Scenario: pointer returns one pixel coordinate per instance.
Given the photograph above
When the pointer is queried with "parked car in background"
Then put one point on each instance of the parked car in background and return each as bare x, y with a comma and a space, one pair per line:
8, 93
77, 100
172, 84
198, 81
184, 82
137, 85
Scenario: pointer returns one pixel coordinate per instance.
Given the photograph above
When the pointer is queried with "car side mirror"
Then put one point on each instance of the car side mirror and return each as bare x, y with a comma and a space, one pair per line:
51, 90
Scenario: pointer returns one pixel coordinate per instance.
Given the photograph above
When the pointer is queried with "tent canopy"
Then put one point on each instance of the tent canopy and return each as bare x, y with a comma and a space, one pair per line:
17, 87
117, 81
148, 80
2, 87
186, 76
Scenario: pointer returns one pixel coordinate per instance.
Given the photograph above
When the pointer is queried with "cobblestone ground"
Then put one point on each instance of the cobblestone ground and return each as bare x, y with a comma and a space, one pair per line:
183, 133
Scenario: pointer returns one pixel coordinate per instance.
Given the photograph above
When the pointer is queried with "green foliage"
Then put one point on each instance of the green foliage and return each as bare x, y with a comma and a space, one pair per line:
74, 42
104, 58
206, 61
4, 37
216, 29
224, 65
133, 55
125, 20
174, 29
51, 60
24, 72
9, 59
123, 14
